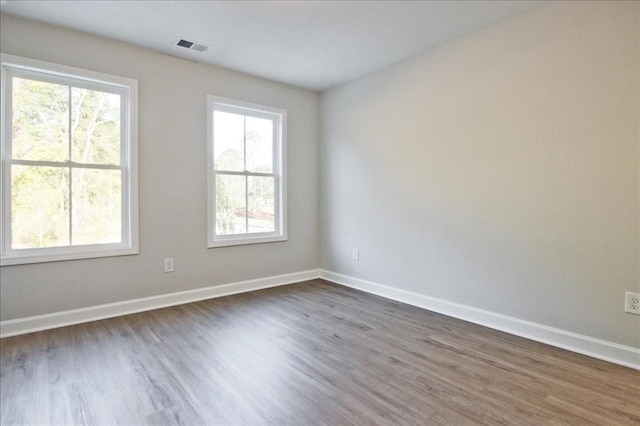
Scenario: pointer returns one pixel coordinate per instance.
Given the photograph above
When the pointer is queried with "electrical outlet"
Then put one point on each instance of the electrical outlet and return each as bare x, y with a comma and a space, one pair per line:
632, 302
355, 254
168, 264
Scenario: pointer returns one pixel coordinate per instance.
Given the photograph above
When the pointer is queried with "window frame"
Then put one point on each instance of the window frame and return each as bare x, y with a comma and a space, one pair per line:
279, 115
74, 77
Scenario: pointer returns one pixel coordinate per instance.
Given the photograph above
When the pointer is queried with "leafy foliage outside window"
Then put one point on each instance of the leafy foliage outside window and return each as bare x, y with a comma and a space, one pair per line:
61, 205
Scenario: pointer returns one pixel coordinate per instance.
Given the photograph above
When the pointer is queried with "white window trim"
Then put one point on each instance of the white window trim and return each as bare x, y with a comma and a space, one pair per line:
129, 161
280, 163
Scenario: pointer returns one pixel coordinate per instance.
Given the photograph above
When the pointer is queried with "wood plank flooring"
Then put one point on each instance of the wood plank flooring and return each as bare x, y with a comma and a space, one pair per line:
312, 353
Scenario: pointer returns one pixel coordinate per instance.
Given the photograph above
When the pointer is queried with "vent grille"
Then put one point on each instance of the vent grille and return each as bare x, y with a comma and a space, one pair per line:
199, 47
191, 45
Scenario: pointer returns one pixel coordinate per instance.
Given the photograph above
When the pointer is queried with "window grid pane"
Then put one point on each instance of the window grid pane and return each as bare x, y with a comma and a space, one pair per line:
228, 134
259, 142
261, 204
96, 206
95, 127
39, 207
40, 124
230, 204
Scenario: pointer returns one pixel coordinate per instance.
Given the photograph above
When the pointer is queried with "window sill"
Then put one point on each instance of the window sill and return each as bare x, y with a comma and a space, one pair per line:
235, 241
24, 259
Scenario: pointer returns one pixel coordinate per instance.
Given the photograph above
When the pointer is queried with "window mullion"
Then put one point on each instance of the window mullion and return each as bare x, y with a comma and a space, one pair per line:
244, 142
234, 173
63, 164
246, 205
70, 205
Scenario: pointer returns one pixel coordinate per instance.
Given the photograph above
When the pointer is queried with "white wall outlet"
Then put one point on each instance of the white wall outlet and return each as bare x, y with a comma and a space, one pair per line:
632, 302
355, 254
168, 264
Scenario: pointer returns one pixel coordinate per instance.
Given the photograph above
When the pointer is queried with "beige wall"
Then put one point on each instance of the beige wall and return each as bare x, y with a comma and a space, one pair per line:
499, 171
172, 190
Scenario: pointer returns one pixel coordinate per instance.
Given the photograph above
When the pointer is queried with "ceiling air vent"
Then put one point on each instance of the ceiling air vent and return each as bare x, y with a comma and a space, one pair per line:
191, 45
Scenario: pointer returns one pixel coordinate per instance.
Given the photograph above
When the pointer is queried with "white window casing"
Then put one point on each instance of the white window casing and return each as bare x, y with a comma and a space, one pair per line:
14, 67
238, 233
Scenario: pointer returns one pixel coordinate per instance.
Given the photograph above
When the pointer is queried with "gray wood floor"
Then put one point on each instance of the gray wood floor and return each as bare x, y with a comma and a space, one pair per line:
310, 353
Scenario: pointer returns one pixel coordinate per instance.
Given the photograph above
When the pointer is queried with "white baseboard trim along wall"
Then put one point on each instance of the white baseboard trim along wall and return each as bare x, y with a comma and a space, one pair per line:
93, 313
596, 348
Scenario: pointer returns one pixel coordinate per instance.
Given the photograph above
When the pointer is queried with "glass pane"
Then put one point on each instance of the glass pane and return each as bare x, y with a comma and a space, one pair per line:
230, 205
39, 207
261, 204
259, 145
97, 200
40, 123
228, 141
95, 127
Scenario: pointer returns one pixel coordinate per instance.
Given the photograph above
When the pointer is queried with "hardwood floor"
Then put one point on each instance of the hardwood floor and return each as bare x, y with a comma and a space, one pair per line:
304, 354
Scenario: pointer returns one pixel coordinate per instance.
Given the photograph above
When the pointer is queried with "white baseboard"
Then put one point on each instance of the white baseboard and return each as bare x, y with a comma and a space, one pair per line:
76, 316
596, 348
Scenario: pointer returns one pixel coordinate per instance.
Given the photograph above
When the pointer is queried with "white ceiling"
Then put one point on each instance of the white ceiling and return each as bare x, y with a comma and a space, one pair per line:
316, 45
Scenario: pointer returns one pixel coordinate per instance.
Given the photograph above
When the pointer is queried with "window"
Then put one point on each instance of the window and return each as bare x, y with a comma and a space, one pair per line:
246, 172
69, 157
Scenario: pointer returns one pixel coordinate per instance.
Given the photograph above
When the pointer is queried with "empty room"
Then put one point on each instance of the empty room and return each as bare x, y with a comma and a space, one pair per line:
320, 213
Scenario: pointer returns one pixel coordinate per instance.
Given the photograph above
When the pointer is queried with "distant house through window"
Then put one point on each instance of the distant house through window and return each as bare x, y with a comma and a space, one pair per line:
69, 149
246, 172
